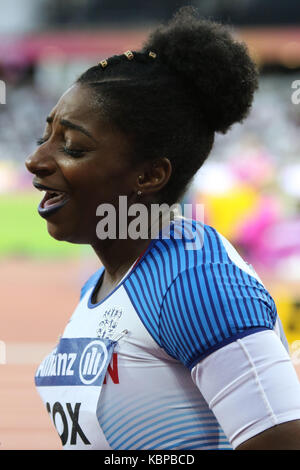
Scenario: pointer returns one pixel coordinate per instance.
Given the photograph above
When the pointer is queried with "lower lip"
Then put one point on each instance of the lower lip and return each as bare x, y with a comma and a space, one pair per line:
51, 209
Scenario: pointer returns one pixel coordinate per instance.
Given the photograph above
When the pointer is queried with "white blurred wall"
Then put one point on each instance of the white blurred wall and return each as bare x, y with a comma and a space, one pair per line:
19, 16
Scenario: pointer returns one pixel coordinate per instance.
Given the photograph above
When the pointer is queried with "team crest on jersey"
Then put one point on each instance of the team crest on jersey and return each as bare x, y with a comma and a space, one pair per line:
109, 323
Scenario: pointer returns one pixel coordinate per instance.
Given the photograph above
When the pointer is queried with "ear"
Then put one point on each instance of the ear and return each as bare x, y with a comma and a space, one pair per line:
154, 176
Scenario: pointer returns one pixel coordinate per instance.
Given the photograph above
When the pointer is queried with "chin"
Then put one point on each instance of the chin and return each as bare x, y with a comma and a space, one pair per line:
59, 233
66, 234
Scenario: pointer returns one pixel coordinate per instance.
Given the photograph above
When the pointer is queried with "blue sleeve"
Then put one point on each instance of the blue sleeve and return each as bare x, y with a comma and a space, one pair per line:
209, 306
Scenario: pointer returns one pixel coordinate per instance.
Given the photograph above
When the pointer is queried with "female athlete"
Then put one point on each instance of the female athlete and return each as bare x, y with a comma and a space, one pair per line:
175, 343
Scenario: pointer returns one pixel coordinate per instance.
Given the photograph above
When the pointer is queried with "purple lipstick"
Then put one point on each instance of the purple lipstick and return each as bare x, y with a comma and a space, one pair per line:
52, 202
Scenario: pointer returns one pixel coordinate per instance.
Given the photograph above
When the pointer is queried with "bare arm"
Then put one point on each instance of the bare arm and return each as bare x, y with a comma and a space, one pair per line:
285, 436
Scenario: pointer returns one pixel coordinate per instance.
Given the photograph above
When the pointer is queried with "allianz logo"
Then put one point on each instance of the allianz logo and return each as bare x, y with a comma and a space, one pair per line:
87, 364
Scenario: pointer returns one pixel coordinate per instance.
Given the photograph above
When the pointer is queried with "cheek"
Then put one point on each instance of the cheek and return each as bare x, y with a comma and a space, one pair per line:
105, 183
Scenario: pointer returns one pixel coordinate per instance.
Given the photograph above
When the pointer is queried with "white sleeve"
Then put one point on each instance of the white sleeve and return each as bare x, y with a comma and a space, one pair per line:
250, 385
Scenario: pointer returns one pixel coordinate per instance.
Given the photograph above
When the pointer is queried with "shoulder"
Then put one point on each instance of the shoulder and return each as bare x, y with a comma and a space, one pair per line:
189, 244
209, 295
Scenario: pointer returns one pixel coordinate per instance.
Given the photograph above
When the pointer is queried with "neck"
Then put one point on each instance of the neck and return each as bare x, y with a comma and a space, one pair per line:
117, 255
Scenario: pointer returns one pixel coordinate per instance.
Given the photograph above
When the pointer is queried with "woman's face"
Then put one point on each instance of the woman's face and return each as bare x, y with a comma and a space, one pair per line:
83, 162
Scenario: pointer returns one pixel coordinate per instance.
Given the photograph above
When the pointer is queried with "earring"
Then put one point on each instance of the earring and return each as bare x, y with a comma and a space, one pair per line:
139, 193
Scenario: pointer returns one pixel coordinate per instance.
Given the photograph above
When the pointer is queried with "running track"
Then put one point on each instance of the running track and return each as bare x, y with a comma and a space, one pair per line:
37, 299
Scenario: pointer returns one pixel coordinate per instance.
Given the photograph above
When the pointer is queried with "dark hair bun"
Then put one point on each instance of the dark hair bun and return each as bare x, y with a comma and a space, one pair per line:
217, 66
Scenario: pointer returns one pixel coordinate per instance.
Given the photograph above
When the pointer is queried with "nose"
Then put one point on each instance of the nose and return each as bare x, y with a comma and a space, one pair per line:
40, 164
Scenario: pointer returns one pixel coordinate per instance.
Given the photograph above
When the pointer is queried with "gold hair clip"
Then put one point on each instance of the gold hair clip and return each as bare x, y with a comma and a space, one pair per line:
103, 63
152, 54
129, 55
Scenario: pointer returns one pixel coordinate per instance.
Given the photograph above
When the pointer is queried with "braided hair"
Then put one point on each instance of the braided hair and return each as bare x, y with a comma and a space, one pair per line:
189, 80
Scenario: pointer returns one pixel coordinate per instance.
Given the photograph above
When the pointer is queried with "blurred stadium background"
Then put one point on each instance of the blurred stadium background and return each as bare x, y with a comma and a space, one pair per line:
250, 185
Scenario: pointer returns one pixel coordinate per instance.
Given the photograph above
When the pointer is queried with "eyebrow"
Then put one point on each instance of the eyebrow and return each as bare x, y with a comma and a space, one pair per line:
71, 125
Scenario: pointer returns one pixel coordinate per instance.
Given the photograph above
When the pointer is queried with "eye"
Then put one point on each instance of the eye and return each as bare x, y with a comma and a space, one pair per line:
41, 140
76, 153
46, 135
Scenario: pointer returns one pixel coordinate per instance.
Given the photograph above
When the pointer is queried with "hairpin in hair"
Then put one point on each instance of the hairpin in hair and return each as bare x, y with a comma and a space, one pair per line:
129, 55
103, 63
152, 54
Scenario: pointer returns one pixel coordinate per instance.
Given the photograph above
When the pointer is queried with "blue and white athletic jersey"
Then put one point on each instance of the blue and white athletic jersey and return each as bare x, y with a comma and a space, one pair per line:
120, 378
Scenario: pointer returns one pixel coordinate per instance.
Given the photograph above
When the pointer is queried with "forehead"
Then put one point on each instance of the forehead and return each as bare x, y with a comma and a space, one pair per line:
76, 101
77, 105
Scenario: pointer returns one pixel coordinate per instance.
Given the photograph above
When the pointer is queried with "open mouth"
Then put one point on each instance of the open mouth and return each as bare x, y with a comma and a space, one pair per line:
53, 200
